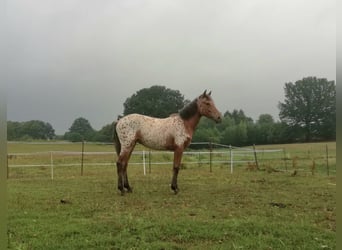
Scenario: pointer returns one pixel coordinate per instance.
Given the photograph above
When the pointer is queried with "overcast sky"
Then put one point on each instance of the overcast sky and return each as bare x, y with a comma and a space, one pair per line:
78, 58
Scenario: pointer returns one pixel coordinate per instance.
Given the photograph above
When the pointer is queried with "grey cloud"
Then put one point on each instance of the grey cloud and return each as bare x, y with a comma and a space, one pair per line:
84, 58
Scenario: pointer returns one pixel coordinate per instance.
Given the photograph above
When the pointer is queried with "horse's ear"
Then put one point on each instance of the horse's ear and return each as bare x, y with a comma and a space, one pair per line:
204, 93
209, 94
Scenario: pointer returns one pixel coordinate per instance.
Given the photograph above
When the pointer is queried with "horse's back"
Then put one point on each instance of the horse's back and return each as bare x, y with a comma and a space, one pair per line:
136, 121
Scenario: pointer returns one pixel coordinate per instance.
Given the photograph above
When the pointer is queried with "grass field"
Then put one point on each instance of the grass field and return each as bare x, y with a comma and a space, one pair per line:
213, 210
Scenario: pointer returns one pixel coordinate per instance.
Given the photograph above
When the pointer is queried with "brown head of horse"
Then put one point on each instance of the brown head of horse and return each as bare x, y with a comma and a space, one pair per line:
172, 133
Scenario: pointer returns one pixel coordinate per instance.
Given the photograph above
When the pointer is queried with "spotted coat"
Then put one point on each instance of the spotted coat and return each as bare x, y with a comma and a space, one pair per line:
160, 134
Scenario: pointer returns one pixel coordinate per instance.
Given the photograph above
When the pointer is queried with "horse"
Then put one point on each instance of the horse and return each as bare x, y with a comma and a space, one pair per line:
173, 133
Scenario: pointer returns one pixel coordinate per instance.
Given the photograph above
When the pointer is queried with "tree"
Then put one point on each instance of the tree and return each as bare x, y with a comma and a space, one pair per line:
206, 132
238, 116
156, 101
80, 130
310, 107
105, 134
34, 129
235, 135
264, 127
13, 130
265, 119
38, 129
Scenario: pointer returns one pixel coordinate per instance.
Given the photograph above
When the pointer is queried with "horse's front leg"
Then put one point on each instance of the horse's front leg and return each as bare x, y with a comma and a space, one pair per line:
177, 158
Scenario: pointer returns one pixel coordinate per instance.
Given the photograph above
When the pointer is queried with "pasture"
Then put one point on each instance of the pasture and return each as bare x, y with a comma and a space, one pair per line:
248, 209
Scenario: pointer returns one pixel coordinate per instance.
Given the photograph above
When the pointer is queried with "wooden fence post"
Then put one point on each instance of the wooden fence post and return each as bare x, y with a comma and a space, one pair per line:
285, 159
255, 157
327, 158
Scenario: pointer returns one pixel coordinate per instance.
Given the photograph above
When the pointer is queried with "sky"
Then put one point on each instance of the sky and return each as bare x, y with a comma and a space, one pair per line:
80, 58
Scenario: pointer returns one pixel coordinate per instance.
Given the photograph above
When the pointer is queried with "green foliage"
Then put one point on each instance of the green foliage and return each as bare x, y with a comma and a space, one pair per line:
30, 130
235, 135
156, 101
265, 129
310, 108
80, 130
238, 116
74, 137
105, 134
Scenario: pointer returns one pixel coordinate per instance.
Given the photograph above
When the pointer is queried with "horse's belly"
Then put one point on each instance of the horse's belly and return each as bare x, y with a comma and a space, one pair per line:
163, 140
155, 140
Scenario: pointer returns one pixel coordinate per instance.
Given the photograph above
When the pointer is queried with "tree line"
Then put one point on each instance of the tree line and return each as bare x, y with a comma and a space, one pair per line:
307, 114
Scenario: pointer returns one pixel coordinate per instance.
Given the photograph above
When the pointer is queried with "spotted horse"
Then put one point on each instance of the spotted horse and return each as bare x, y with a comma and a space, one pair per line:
173, 133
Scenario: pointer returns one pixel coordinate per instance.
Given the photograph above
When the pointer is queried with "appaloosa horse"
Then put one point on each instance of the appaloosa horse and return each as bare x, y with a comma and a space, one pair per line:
173, 133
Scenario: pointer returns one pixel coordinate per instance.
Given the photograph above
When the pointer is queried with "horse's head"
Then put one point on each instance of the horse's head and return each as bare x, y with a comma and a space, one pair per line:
207, 107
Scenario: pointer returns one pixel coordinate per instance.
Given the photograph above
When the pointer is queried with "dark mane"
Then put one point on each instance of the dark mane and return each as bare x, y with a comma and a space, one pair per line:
189, 110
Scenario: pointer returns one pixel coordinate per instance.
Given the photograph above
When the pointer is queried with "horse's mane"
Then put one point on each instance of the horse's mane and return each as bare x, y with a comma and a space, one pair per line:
189, 110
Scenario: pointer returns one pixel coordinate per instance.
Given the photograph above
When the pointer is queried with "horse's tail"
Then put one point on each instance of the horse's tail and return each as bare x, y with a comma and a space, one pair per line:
116, 139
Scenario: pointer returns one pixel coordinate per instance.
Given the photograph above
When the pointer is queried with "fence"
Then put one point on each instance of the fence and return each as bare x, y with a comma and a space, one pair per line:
215, 154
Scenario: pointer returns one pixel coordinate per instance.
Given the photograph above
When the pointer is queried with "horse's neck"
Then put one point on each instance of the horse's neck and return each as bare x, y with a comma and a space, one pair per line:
192, 123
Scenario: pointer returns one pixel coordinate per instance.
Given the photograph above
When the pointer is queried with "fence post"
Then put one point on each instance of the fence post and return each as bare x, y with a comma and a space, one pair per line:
327, 158
144, 164
82, 157
51, 164
210, 155
255, 157
231, 158
284, 151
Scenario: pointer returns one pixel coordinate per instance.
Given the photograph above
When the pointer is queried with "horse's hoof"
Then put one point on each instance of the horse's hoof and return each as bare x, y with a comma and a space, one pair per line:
175, 189
129, 190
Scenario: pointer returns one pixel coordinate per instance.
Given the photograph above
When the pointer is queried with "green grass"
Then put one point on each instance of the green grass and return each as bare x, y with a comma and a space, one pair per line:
213, 210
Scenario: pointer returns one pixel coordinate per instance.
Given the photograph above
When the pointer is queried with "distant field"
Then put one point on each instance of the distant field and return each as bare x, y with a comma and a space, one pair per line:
305, 158
248, 209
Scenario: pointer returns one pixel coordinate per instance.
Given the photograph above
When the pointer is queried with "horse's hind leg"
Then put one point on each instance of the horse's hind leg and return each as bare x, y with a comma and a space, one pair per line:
120, 177
126, 183
122, 164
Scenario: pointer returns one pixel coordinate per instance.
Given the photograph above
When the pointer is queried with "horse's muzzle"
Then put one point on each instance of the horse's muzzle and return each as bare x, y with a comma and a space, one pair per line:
218, 119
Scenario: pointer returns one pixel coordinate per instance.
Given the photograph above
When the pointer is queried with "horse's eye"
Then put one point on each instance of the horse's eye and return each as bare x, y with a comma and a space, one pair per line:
207, 103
